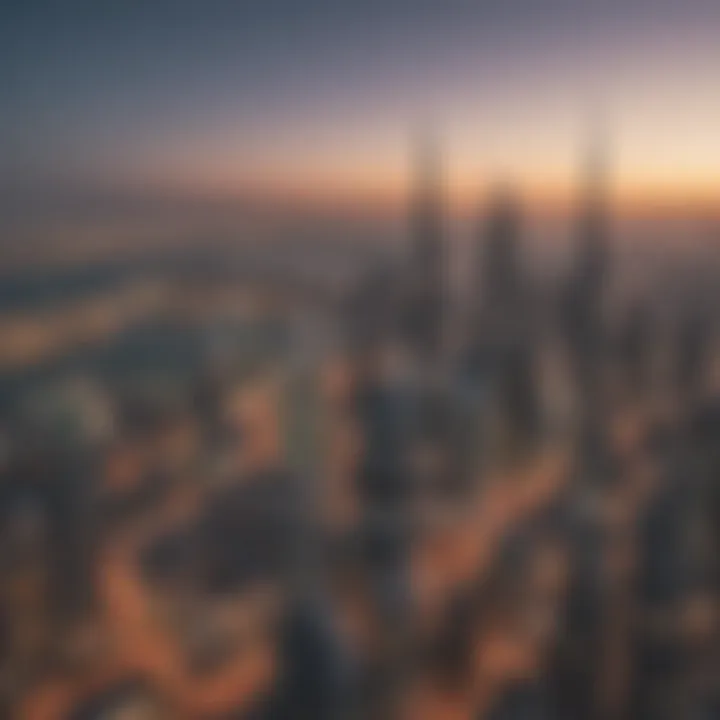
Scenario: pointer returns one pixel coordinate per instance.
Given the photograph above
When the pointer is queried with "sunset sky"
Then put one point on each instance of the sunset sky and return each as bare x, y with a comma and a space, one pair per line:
322, 97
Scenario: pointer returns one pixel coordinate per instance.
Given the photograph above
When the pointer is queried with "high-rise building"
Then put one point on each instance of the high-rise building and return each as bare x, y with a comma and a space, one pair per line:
586, 291
500, 352
498, 272
496, 288
584, 308
423, 323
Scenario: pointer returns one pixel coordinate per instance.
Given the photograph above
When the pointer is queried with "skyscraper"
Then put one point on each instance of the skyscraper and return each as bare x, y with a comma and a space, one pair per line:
583, 308
495, 290
498, 262
584, 301
423, 324
500, 343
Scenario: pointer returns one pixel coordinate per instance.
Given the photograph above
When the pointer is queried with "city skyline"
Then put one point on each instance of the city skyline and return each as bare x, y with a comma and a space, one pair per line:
316, 102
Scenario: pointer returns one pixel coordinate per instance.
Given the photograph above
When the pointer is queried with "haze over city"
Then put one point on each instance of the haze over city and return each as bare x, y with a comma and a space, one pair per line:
360, 360
318, 99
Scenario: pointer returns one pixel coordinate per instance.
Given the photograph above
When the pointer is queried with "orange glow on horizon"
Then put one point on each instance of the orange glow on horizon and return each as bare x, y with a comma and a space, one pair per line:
551, 194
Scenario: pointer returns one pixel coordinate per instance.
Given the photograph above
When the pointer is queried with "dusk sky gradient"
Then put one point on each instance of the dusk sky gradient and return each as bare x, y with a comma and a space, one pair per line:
323, 96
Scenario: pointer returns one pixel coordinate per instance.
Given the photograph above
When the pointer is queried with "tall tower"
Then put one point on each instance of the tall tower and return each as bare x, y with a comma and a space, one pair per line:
497, 287
424, 316
592, 250
502, 345
584, 302
499, 271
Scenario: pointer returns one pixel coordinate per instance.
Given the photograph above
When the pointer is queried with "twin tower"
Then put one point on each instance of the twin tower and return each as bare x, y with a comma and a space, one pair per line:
498, 293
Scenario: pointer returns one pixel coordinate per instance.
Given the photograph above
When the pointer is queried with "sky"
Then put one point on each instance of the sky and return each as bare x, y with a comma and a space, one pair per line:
322, 98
